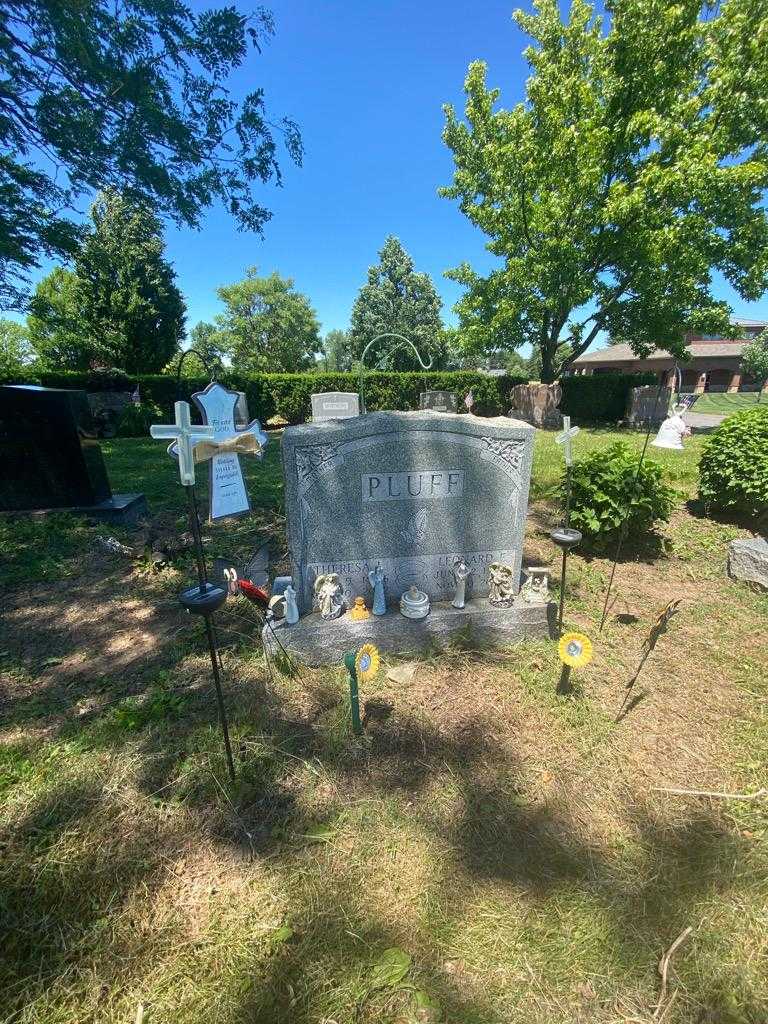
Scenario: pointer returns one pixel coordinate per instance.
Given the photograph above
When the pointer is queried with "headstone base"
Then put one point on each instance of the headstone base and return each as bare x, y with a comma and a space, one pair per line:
122, 509
315, 642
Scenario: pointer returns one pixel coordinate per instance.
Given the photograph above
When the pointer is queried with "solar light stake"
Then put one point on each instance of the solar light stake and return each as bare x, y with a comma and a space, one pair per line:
206, 597
203, 588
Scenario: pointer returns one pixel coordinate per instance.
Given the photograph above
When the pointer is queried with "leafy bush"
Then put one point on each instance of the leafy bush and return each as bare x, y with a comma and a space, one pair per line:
734, 463
600, 397
136, 420
607, 490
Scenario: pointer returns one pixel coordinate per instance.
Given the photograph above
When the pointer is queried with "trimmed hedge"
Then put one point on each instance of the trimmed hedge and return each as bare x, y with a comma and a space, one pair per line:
601, 398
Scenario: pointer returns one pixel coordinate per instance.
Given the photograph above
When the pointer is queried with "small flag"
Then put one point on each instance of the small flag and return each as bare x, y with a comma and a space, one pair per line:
469, 400
136, 396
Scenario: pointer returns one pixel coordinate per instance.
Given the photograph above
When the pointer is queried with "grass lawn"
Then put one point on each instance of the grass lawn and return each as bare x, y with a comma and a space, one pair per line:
486, 853
726, 404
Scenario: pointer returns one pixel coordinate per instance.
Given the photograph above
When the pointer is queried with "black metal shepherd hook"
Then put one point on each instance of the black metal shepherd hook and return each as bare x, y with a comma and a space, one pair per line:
402, 341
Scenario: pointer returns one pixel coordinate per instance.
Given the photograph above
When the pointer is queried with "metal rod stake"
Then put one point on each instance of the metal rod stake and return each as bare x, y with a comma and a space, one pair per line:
562, 593
213, 648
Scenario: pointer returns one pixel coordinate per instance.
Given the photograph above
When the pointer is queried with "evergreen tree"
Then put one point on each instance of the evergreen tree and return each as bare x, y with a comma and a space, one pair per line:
267, 325
120, 307
399, 300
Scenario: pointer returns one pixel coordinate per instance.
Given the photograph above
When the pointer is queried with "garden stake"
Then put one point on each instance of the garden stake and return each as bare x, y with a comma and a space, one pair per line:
564, 536
354, 697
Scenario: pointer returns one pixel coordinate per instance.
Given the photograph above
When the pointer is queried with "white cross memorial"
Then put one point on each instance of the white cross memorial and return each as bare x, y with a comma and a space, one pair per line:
565, 439
228, 495
183, 435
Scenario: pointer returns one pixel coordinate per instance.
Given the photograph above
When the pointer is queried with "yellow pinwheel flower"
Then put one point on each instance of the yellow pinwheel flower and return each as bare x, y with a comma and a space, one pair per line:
575, 649
367, 662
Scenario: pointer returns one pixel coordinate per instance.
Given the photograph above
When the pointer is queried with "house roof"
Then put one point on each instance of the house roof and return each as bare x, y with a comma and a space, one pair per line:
623, 353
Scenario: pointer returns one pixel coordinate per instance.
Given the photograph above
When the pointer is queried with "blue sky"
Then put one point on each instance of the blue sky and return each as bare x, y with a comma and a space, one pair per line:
366, 82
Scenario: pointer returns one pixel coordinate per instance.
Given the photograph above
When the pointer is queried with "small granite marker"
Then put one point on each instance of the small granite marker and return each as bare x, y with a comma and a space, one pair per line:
335, 405
439, 401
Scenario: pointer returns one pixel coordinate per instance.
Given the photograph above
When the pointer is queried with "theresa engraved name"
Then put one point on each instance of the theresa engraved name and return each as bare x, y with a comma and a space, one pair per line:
418, 484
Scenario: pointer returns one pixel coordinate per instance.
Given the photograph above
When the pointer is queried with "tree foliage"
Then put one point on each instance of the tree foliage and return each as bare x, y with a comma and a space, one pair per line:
15, 349
397, 299
207, 354
131, 96
635, 167
120, 307
267, 325
55, 329
754, 359
337, 349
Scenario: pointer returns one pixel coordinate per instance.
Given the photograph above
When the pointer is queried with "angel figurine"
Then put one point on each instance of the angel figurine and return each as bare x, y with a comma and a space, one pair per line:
291, 608
376, 578
461, 572
329, 596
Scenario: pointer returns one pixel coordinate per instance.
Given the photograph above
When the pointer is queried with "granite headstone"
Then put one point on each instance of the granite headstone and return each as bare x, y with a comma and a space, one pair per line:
51, 458
335, 405
412, 491
439, 401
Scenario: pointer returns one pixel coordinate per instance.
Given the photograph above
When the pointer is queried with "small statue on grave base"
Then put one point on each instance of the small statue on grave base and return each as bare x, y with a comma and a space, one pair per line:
359, 612
291, 608
501, 585
535, 590
330, 600
461, 573
376, 578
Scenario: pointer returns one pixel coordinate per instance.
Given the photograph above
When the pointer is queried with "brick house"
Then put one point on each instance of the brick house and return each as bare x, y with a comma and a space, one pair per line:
714, 364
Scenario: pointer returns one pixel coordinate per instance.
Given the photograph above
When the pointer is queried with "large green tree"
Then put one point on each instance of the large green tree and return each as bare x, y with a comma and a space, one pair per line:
120, 306
15, 349
397, 299
268, 326
636, 167
130, 95
56, 330
337, 349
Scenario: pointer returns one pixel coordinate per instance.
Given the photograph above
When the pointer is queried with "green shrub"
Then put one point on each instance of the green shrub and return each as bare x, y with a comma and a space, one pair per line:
135, 420
600, 397
734, 463
607, 490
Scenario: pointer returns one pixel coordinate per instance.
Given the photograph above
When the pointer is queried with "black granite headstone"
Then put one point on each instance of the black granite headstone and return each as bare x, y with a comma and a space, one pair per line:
439, 401
50, 458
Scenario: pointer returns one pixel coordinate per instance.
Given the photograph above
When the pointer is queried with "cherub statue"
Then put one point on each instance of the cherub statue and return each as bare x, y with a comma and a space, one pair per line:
461, 572
501, 585
330, 600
